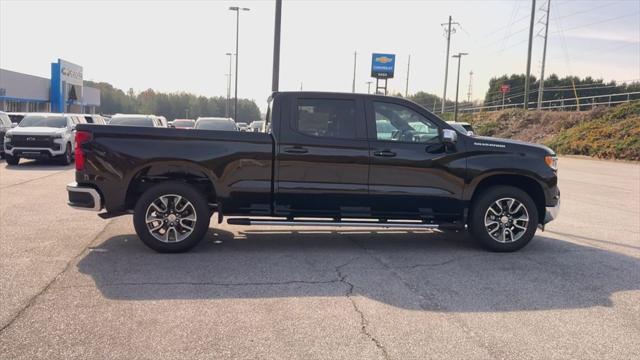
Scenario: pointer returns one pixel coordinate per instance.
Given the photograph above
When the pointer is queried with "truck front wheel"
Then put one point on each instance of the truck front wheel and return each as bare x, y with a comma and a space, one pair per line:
171, 217
503, 218
12, 160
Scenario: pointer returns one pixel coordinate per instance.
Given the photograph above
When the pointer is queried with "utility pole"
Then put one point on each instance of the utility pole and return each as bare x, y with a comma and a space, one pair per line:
300, 85
455, 106
228, 105
544, 57
237, 10
369, 86
448, 31
470, 86
353, 85
406, 88
186, 113
275, 81
526, 79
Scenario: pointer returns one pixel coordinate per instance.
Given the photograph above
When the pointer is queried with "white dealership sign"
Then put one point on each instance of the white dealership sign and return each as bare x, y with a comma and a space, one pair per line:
70, 73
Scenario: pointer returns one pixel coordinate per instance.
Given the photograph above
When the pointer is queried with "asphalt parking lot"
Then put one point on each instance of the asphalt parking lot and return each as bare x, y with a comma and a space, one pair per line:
75, 286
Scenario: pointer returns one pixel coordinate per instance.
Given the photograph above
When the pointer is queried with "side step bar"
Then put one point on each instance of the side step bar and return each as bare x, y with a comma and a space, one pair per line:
345, 223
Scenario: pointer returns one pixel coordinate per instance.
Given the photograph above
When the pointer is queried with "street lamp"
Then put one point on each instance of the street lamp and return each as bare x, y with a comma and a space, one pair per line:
455, 106
369, 86
230, 55
237, 10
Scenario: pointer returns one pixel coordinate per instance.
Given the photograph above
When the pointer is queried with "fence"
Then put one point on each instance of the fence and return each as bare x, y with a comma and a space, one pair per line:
585, 103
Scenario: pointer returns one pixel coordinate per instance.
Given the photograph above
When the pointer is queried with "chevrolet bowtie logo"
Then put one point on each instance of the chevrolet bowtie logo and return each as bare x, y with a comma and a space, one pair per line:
31, 139
384, 59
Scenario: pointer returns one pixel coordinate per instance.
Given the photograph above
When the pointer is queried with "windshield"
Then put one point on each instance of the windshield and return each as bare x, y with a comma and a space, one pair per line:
131, 121
216, 125
184, 123
43, 121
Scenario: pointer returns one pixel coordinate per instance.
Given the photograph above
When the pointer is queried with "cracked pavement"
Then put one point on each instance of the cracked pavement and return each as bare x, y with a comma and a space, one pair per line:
75, 286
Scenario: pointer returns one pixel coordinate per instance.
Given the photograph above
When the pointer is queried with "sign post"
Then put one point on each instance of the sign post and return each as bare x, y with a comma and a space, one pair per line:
382, 67
504, 88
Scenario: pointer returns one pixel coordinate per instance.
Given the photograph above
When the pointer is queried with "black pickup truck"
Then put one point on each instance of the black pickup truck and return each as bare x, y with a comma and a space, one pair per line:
322, 159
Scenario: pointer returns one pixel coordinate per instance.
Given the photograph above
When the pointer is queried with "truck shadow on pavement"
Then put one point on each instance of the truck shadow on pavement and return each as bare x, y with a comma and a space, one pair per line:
411, 270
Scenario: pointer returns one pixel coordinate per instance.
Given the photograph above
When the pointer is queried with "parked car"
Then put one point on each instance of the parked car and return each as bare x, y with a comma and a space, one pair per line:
42, 136
5, 125
16, 117
256, 126
215, 123
326, 159
183, 123
242, 126
94, 119
462, 127
136, 120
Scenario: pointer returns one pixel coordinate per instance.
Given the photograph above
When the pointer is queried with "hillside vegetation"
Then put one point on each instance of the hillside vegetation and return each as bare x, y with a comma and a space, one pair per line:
608, 133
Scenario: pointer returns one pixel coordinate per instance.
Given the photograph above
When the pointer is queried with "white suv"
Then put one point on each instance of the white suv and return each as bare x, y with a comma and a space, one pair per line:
42, 136
5, 125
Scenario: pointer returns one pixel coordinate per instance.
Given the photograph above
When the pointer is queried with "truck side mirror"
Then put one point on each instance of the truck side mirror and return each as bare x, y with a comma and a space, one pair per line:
449, 136
14, 125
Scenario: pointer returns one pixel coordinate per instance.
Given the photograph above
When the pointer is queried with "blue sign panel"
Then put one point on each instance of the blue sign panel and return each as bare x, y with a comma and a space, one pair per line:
382, 65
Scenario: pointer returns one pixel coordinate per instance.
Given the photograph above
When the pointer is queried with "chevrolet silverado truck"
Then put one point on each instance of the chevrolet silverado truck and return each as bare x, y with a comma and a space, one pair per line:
42, 136
321, 159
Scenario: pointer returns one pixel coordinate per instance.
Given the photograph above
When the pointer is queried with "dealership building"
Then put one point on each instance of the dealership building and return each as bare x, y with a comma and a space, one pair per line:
63, 92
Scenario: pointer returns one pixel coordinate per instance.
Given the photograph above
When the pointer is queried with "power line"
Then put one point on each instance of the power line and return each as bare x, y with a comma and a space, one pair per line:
589, 10
600, 22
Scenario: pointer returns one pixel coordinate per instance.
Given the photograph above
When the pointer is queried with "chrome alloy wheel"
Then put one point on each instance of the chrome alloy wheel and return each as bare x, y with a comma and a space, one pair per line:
506, 220
171, 218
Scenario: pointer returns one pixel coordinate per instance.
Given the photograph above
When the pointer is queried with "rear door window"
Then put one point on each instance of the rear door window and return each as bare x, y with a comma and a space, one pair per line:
333, 118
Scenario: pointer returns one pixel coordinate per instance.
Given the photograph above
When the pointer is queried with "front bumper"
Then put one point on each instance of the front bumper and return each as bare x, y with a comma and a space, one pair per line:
552, 212
83, 197
33, 153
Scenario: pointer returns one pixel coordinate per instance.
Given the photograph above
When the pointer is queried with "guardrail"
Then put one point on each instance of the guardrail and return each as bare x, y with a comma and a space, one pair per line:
570, 104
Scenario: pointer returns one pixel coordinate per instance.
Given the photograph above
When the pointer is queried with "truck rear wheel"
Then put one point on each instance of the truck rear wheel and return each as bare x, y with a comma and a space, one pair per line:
171, 217
503, 219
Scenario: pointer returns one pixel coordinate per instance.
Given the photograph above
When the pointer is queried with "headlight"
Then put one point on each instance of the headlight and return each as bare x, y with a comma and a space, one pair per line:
552, 161
7, 136
57, 136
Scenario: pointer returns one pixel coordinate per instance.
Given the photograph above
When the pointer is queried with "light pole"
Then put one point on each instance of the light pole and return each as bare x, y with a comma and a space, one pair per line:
237, 10
455, 106
353, 86
369, 86
230, 55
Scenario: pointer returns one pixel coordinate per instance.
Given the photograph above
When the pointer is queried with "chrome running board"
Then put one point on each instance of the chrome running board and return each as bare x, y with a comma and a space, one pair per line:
330, 223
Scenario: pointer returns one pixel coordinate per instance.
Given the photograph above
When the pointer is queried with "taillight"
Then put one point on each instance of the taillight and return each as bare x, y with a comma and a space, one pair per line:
81, 138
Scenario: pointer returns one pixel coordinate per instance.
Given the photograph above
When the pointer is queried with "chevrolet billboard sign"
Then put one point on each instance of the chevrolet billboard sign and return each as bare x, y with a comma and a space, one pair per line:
382, 65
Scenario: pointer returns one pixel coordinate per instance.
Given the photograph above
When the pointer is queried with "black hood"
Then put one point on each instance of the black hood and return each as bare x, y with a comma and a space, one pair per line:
487, 141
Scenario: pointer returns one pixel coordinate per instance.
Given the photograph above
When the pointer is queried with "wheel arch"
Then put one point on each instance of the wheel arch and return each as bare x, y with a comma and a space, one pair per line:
523, 182
163, 171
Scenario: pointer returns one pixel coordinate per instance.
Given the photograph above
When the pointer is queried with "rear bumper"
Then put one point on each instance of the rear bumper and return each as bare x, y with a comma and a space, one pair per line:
83, 197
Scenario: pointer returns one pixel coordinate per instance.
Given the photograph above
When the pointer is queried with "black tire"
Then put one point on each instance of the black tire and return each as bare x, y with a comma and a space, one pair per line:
189, 193
67, 157
12, 160
480, 209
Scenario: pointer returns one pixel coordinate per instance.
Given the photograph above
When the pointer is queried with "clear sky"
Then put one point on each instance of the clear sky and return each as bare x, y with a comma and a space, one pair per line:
181, 45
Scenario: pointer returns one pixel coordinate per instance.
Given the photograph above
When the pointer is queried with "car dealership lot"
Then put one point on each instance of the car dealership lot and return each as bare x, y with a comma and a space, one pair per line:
75, 286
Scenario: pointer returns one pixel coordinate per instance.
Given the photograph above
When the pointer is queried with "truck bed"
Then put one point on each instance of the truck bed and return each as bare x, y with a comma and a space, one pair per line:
239, 163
